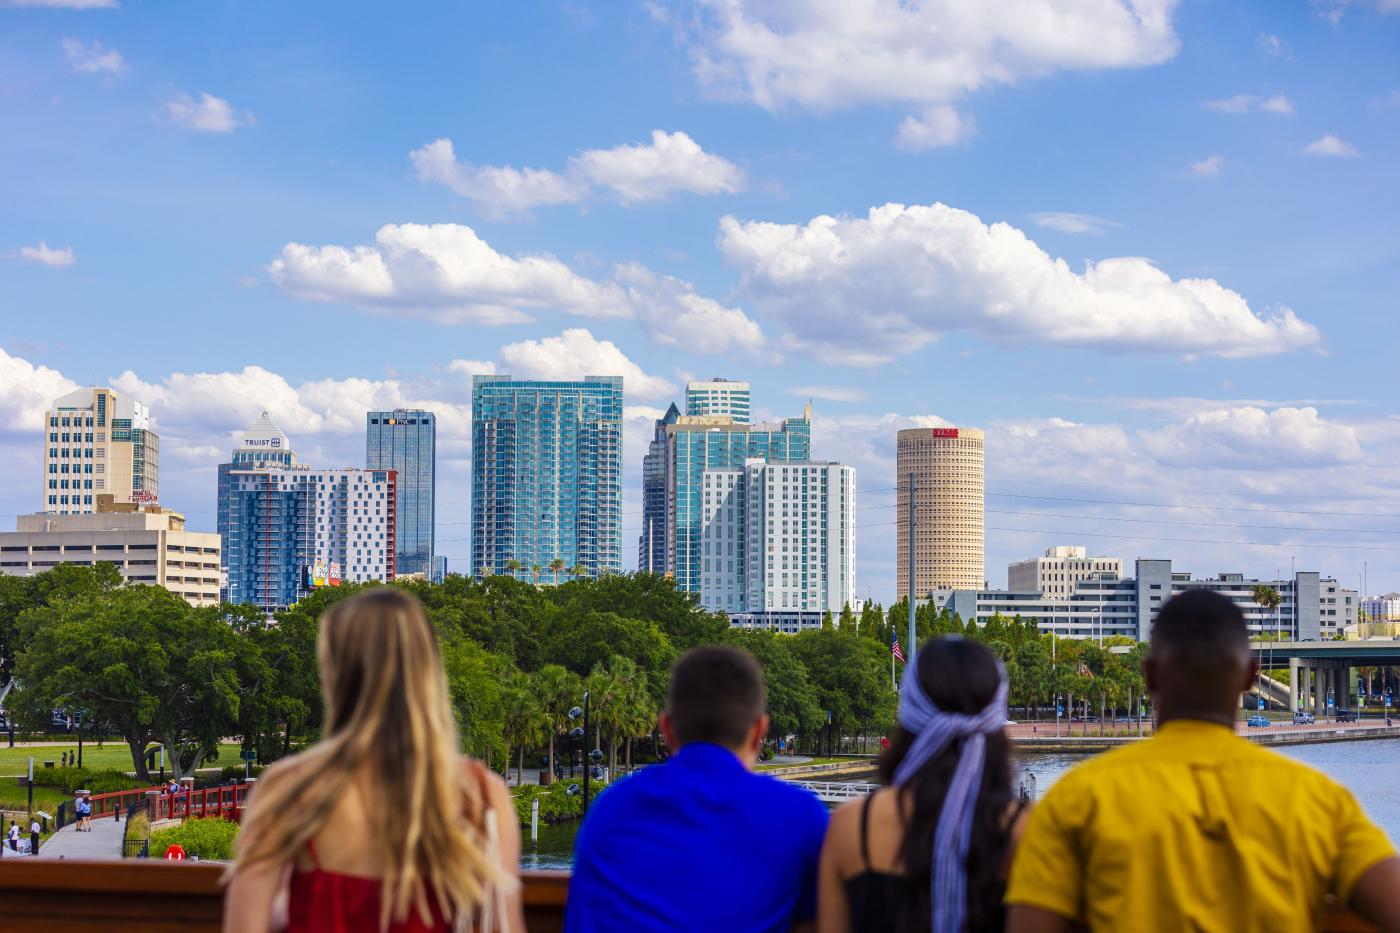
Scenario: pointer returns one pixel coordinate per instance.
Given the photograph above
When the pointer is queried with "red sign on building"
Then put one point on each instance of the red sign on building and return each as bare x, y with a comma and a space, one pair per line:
944, 432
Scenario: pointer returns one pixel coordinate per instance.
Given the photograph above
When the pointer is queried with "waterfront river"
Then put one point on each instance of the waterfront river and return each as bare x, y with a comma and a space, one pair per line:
1368, 768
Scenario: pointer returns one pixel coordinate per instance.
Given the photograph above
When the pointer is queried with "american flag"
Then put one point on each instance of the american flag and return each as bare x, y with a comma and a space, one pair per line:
895, 650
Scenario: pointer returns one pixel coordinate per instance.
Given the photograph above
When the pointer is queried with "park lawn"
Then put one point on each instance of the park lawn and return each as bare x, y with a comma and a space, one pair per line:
114, 755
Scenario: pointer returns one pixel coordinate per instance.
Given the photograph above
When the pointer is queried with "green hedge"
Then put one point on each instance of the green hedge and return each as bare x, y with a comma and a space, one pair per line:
208, 838
99, 782
556, 805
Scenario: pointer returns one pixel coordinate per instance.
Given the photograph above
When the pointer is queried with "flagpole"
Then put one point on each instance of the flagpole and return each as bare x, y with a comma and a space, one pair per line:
894, 684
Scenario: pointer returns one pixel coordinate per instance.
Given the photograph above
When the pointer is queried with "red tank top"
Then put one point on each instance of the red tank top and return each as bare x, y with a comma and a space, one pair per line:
323, 901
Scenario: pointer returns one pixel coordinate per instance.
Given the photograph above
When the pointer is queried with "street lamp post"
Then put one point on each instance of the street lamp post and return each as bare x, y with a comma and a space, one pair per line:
592, 766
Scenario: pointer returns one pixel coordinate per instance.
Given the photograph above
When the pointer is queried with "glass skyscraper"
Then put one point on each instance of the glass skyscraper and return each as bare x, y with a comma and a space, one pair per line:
546, 476
652, 542
262, 445
697, 443
405, 440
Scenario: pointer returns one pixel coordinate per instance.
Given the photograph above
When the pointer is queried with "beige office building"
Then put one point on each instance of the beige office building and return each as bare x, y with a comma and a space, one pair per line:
147, 545
1056, 573
97, 442
949, 509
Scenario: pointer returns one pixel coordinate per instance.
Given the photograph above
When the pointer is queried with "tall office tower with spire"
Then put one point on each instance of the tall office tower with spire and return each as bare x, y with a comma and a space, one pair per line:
696, 443
719, 397
652, 542
97, 441
546, 476
947, 465
405, 440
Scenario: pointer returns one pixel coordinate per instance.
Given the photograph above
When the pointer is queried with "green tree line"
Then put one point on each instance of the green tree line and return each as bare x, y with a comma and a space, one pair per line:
140, 663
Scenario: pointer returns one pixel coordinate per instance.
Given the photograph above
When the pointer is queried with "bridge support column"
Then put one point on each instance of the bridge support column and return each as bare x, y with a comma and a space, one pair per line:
1319, 692
1292, 684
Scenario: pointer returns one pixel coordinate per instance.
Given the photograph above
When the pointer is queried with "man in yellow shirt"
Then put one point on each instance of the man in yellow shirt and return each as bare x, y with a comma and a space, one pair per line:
1198, 829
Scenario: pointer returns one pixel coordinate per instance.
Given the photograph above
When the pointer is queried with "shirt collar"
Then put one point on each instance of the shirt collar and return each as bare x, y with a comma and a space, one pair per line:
1194, 729
706, 756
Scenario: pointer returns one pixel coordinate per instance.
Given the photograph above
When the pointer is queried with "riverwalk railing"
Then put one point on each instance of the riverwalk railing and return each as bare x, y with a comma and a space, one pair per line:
837, 791
42, 896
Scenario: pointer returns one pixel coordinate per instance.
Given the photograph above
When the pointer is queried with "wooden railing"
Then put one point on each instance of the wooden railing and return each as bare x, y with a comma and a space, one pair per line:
43, 896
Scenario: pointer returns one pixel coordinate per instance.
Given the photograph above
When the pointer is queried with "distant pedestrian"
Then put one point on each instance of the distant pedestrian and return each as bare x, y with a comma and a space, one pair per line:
84, 809
13, 836
34, 835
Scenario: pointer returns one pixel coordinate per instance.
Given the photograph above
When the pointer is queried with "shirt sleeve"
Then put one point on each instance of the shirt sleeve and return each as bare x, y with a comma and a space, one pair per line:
1047, 870
1361, 845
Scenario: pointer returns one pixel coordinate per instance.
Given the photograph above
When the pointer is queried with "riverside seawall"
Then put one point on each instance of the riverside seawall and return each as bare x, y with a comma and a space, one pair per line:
1267, 735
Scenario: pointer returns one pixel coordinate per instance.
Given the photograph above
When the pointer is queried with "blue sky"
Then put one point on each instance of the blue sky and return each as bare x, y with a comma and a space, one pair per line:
246, 206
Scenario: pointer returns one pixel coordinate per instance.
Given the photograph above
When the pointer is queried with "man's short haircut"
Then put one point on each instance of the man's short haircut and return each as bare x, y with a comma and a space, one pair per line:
1200, 630
716, 695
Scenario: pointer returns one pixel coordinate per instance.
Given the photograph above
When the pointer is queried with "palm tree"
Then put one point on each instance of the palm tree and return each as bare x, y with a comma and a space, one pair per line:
1268, 599
556, 567
513, 566
524, 721
557, 689
578, 570
535, 573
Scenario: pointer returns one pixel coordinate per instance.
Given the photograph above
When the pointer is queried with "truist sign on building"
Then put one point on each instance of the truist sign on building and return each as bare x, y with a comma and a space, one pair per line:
262, 443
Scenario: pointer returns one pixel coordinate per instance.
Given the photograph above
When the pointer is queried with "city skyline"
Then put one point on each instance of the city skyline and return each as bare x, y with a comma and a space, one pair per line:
922, 255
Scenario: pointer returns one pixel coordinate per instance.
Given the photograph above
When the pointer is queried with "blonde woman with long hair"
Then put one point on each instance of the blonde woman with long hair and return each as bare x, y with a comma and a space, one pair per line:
383, 825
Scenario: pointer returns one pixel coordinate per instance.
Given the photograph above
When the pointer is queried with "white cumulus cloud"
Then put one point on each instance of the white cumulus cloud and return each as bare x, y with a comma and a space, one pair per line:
1209, 167
1329, 145
1251, 438
863, 290
1251, 103
674, 315
937, 126
823, 56
447, 273
671, 163
26, 391
93, 58
45, 255
1067, 222
577, 353
208, 114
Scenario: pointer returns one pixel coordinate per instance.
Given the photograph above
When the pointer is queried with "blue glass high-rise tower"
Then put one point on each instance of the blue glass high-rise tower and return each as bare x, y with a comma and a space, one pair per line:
405, 440
546, 476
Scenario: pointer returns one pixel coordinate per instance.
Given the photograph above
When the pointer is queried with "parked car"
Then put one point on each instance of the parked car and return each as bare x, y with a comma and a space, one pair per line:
1303, 718
1258, 721
1345, 715
1125, 719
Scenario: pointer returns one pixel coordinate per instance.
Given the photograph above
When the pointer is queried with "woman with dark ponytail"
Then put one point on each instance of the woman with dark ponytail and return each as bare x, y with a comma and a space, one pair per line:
930, 850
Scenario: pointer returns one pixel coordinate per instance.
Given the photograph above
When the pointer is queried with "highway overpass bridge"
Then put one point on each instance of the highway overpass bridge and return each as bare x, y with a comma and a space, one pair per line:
1319, 669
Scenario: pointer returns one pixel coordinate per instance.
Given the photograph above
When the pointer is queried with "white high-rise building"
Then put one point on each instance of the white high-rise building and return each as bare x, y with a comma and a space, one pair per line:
719, 397
778, 542
294, 528
1056, 573
98, 442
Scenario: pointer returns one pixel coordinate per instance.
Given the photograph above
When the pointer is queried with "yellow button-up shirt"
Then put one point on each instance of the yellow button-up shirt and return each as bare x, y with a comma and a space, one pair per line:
1195, 829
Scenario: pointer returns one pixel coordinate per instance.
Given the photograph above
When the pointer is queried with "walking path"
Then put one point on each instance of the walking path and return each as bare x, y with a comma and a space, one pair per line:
104, 842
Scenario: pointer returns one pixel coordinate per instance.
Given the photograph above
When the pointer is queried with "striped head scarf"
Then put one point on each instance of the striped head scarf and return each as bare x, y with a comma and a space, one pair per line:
934, 730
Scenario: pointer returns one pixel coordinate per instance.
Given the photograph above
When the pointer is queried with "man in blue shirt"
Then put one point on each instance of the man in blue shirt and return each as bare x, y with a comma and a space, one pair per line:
701, 842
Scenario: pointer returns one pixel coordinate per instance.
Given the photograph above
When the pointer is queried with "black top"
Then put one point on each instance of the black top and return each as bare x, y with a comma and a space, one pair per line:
877, 898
